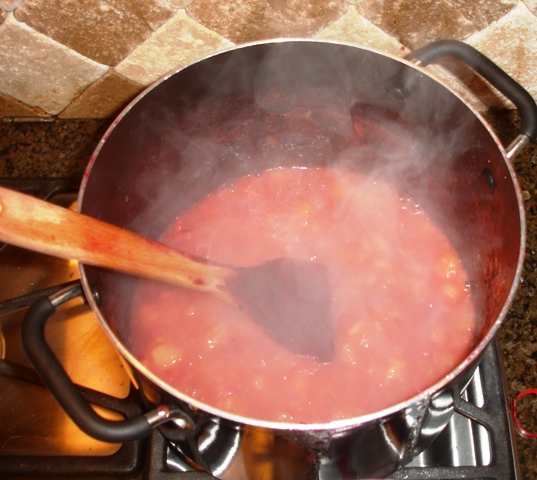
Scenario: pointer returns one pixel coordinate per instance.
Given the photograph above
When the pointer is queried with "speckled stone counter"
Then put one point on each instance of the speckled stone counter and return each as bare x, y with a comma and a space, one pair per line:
62, 148
518, 336
39, 149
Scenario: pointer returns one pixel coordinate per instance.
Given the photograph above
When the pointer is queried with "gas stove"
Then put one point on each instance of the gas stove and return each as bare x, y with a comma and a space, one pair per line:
37, 440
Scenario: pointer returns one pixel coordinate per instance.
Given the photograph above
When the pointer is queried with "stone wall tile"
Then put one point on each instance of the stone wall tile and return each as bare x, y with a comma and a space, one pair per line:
511, 43
532, 5
483, 12
10, 107
136, 35
415, 23
179, 42
39, 71
244, 21
179, 3
353, 28
104, 98
10, 5
105, 31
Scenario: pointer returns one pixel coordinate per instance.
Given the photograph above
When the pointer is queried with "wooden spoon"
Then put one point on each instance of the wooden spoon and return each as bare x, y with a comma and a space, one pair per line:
289, 298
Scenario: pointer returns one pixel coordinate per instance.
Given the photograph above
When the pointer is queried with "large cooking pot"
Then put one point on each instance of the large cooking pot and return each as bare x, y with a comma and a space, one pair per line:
463, 175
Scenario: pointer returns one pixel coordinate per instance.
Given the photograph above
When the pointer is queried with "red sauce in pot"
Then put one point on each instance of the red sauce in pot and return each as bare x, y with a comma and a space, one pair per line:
402, 310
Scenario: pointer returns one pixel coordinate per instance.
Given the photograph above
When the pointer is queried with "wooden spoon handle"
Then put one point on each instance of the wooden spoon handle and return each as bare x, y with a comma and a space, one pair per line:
41, 226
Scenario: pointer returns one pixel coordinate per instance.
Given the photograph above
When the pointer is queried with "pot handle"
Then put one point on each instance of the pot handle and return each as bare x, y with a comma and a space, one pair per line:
60, 385
493, 74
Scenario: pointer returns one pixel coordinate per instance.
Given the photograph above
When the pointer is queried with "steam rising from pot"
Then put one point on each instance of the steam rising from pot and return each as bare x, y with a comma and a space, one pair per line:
306, 105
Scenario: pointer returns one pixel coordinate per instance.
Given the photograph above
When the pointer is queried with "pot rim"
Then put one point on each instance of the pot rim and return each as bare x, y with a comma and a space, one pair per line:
422, 397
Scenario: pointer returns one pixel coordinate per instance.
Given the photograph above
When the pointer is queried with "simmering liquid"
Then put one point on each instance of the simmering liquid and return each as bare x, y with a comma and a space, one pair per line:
401, 307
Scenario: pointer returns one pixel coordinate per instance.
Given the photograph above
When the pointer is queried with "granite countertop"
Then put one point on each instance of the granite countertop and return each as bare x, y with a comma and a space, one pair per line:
63, 147
518, 335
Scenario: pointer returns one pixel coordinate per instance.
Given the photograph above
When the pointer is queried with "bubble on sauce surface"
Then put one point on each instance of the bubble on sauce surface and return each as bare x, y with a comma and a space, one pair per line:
165, 355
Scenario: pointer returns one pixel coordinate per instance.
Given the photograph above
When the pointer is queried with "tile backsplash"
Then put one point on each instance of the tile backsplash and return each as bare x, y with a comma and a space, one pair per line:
88, 58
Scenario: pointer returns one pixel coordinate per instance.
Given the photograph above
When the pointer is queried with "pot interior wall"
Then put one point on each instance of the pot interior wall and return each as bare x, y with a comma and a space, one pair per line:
235, 114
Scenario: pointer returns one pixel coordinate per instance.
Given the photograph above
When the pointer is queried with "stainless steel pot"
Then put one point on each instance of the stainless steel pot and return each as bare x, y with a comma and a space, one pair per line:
464, 176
